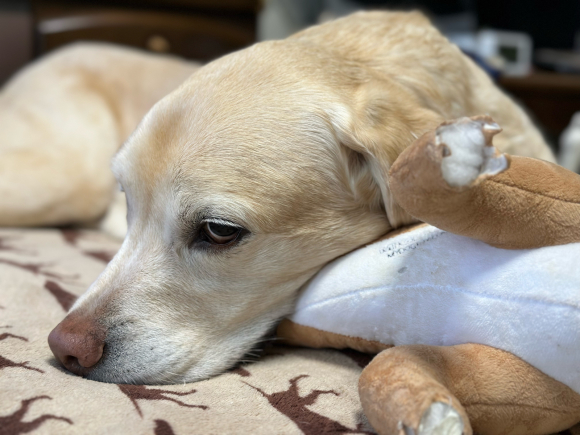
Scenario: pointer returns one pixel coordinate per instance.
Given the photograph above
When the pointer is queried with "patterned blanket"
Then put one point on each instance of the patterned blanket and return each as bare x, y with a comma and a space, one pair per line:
287, 391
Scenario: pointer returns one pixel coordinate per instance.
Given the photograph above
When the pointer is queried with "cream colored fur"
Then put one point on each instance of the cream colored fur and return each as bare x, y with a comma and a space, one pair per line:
291, 140
62, 119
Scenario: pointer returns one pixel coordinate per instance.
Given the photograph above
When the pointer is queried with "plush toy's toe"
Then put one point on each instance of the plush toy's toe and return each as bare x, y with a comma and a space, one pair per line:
467, 150
441, 419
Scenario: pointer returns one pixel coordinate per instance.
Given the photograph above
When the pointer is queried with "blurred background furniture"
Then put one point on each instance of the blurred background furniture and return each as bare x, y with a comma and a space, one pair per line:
16, 36
551, 98
195, 29
206, 29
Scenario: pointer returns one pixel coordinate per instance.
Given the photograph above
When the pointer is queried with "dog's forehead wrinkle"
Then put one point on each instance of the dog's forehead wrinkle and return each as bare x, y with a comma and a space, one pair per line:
297, 135
265, 177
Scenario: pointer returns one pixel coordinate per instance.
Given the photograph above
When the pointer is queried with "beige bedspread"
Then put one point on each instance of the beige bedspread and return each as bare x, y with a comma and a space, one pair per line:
288, 391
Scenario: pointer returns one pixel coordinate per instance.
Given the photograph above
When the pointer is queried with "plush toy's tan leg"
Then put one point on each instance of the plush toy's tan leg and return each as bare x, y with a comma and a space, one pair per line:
453, 178
433, 390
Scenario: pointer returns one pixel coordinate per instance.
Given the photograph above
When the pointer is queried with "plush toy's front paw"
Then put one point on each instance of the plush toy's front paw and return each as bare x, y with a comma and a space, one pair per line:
468, 153
440, 419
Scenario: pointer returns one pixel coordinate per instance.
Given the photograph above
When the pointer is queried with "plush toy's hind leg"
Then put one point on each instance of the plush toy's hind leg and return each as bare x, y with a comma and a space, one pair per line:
450, 390
453, 178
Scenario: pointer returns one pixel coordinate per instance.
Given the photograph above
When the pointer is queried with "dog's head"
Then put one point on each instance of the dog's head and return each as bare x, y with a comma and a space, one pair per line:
240, 185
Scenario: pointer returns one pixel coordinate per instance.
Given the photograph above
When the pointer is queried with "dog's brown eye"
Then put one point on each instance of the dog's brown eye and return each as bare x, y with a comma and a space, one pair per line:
221, 234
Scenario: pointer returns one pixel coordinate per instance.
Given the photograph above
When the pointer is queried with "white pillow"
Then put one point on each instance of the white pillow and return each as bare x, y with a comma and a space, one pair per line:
431, 287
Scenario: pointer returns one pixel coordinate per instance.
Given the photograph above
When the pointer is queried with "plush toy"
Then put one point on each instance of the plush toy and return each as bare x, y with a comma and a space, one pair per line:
482, 302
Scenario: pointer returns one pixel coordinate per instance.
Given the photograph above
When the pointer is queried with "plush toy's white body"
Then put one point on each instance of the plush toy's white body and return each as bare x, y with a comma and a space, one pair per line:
431, 287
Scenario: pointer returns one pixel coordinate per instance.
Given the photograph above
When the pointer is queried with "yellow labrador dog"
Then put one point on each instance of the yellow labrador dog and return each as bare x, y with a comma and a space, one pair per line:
259, 169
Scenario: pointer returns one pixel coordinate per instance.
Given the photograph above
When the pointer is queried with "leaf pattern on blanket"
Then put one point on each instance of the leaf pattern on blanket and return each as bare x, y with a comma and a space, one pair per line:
293, 406
361, 359
163, 428
63, 297
37, 269
72, 237
103, 256
241, 371
141, 392
6, 335
13, 425
5, 247
6, 363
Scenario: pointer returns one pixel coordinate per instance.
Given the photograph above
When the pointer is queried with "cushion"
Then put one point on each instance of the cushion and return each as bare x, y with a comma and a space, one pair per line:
428, 286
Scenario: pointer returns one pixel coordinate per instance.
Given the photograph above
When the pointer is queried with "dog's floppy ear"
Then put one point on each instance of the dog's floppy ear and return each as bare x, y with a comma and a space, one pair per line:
380, 121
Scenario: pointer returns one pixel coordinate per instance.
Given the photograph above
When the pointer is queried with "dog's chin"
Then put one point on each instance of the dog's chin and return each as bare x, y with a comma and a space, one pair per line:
150, 361
142, 374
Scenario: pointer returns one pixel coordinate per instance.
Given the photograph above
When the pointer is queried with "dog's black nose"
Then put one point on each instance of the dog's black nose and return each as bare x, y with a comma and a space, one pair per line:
77, 343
